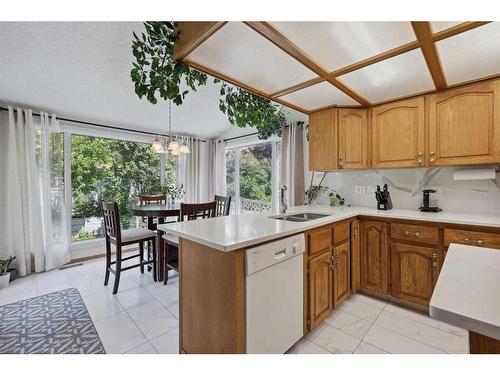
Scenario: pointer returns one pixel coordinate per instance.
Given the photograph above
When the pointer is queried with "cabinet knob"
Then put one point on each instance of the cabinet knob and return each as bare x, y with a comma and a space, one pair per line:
466, 240
434, 264
480, 242
420, 161
341, 157
420, 153
432, 160
433, 153
407, 233
434, 256
417, 234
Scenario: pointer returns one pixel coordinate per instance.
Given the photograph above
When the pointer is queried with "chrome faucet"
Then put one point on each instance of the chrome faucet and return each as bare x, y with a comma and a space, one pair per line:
283, 206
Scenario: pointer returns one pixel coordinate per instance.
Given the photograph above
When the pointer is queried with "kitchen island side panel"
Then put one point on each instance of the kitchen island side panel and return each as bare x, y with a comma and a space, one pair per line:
212, 299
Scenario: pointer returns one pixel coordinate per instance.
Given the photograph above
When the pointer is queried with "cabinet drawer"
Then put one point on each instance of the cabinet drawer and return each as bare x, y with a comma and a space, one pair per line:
319, 240
417, 233
472, 238
341, 233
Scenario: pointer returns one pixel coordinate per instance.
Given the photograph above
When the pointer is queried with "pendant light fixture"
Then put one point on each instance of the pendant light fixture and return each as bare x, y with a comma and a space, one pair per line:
172, 146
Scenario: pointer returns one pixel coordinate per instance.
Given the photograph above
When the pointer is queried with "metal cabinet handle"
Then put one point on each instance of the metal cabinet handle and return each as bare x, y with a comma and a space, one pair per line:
434, 264
432, 160
480, 242
466, 240
433, 153
420, 153
434, 256
417, 234
407, 233
420, 161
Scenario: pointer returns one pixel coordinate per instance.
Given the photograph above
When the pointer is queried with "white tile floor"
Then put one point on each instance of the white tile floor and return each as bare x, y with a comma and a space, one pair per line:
143, 317
365, 325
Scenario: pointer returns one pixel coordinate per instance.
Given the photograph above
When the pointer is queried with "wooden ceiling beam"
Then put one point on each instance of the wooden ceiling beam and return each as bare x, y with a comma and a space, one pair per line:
243, 85
424, 36
191, 35
278, 39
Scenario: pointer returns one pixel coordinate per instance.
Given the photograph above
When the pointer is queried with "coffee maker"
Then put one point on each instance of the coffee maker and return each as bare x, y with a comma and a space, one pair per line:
429, 201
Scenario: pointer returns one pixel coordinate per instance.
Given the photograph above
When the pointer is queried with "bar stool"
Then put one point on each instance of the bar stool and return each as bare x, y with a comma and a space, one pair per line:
115, 235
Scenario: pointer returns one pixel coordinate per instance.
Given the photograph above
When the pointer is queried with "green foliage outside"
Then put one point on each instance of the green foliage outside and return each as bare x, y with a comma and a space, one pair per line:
113, 170
255, 172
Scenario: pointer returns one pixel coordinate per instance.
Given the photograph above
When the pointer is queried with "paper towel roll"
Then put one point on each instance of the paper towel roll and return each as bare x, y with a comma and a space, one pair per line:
474, 174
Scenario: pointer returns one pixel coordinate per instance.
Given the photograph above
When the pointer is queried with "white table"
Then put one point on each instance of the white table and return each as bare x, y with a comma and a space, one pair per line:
467, 293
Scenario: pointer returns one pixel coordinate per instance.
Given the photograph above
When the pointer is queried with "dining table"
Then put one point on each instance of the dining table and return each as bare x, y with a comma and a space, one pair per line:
161, 212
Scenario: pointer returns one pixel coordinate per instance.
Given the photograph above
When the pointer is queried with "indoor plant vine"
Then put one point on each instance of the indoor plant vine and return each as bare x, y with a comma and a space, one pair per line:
155, 74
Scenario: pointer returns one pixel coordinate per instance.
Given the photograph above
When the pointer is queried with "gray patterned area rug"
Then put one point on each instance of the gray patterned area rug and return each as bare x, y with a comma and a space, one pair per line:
55, 323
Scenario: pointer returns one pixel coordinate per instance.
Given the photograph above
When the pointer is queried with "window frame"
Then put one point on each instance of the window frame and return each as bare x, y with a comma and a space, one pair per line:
275, 171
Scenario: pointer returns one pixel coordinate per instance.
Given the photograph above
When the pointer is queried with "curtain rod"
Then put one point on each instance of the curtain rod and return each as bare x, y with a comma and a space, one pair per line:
239, 136
104, 126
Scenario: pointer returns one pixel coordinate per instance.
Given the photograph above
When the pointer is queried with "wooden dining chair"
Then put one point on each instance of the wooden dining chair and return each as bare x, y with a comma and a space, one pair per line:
223, 205
189, 211
119, 237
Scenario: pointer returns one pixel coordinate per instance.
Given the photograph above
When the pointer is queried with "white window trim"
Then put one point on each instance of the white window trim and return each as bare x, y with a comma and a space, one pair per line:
274, 170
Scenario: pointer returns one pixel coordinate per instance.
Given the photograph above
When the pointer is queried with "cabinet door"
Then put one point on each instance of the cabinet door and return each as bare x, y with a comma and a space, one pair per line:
465, 125
355, 256
374, 256
341, 273
414, 272
398, 134
353, 138
320, 290
323, 140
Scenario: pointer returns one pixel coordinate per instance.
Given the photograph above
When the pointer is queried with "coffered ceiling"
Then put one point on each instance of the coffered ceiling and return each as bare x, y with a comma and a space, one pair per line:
312, 65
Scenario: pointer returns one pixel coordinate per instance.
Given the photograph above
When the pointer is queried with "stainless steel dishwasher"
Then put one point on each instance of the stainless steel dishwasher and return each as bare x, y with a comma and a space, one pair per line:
275, 295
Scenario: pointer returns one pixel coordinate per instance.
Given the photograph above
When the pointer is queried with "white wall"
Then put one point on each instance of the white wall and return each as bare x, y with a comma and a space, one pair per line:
406, 185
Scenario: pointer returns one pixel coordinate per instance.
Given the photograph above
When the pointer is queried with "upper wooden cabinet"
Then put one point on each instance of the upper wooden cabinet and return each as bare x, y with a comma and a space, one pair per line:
465, 125
398, 134
323, 140
353, 138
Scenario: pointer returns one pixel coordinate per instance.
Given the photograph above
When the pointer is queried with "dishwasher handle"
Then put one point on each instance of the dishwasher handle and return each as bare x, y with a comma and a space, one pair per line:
280, 254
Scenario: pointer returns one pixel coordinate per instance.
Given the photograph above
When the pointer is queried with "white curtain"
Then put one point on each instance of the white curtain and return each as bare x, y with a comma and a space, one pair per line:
32, 226
292, 163
217, 168
190, 171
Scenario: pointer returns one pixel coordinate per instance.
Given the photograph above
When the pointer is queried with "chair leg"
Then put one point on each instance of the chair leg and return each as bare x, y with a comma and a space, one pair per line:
108, 261
141, 253
118, 268
149, 254
155, 278
165, 265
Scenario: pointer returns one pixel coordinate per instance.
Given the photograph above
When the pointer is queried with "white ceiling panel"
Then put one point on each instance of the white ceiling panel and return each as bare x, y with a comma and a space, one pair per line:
241, 53
320, 95
470, 55
437, 26
338, 44
392, 78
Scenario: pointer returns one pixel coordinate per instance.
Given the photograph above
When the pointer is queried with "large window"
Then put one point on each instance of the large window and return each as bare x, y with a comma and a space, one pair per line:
252, 174
113, 171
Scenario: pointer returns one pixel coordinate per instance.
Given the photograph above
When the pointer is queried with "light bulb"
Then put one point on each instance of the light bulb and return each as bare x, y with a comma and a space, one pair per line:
173, 145
184, 149
156, 146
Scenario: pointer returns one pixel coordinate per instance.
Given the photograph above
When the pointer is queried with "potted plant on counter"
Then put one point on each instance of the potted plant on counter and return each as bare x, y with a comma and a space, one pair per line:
4, 271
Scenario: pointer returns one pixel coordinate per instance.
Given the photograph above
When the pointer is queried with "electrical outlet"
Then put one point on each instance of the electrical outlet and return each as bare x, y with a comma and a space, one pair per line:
360, 189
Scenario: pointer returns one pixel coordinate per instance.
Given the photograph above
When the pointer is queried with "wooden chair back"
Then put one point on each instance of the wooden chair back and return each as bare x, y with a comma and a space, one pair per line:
223, 204
111, 220
153, 199
193, 211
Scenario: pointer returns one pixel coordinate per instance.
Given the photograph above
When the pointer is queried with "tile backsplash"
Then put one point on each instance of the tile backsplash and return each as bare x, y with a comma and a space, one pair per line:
406, 185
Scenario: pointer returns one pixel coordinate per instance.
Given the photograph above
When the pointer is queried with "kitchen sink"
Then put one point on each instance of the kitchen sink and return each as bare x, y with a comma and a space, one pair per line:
300, 217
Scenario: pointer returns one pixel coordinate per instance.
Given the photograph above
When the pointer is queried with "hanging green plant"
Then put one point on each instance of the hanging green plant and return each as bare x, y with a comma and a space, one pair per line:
156, 74
246, 109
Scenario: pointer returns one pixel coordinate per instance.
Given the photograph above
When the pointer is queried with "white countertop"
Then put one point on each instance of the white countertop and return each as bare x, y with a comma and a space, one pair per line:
236, 231
467, 293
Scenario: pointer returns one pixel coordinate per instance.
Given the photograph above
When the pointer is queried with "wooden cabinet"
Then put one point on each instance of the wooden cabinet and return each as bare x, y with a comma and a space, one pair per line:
398, 134
355, 256
341, 263
323, 140
414, 272
415, 233
374, 256
353, 138
464, 125
320, 288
